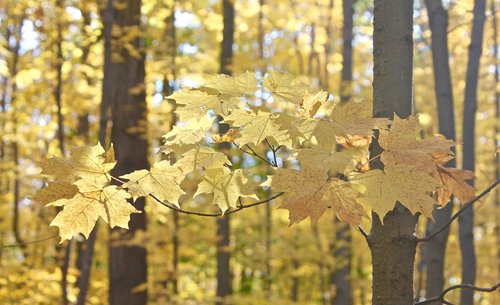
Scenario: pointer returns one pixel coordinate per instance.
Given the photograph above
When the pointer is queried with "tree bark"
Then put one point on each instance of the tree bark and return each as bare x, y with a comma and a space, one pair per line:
392, 244
224, 289
466, 219
127, 264
434, 249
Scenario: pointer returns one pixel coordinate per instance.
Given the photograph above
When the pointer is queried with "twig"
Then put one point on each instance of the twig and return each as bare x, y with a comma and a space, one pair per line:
239, 208
253, 153
455, 216
441, 299
30, 242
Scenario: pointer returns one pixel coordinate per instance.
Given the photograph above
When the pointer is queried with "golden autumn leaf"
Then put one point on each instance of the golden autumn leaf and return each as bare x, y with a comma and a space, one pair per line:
81, 212
402, 146
309, 192
162, 180
235, 86
256, 126
408, 185
454, 181
84, 162
340, 161
283, 88
311, 103
201, 157
182, 136
54, 191
194, 104
355, 119
227, 187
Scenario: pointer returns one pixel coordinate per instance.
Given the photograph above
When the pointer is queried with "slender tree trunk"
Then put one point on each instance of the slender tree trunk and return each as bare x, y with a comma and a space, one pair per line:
466, 219
127, 264
328, 44
347, 36
294, 296
85, 249
224, 289
175, 256
339, 277
321, 263
392, 244
434, 249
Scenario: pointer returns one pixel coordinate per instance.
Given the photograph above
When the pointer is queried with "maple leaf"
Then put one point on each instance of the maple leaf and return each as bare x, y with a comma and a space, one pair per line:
311, 103
453, 181
283, 88
255, 127
194, 103
341, 161
54, 191
81, 212
309, 192
401, 146
408, 185
85, 162
235, 86
355, 119
182, 136
227, 187
203, 158
162, 180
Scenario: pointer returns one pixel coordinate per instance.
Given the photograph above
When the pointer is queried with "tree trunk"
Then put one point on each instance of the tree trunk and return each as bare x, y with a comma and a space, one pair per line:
224, 288
392, 244
434, 249
339, 277
127, 264
86, 248
466, 219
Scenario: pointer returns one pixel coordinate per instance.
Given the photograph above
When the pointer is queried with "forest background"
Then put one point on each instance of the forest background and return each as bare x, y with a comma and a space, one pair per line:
54, 96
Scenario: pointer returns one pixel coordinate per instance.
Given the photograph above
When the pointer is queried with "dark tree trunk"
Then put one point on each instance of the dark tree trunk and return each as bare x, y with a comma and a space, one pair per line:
224, 289
127, 264
434, 249
392, 244
466, 219
347, 35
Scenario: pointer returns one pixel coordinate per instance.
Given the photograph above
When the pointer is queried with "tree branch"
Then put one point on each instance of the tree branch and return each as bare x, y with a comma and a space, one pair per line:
239, 208
455, 216
30, 242
441, 299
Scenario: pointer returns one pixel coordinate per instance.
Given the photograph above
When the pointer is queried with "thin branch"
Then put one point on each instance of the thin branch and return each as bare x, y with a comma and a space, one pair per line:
253, 153
30, 242
455, 216
239, 208
441, 299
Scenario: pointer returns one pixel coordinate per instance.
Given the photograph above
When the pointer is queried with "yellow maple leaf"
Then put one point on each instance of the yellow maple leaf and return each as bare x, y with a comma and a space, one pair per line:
283, 88
55, 190
227, 187
311, 103
235, 86
203, 158
81, 212
191, 132
453, 181
340, 162
162, 180
355, 119
255, 127
309, 192
408, 185
402, 147
193, 104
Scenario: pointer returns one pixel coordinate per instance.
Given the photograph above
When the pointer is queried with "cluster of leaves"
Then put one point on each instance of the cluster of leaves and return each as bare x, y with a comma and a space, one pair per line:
322, 145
